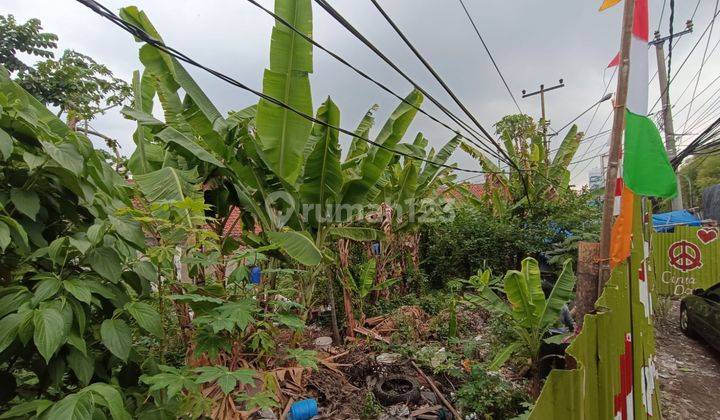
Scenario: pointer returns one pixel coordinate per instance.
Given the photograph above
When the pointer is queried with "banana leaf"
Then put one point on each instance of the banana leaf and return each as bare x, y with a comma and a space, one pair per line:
359, 234
562, 292
518, 294
169, 184
282, 134
323, 178
407, 187
374, 165
359, 147
430, 170
298, 246
531, 274
563, 157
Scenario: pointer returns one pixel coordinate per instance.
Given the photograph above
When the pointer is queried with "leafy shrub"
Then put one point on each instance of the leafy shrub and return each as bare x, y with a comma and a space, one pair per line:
476, 238
490, 396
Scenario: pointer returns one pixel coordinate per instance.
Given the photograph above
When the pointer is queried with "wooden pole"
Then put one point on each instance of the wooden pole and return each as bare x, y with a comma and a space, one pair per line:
677, 202
615, 143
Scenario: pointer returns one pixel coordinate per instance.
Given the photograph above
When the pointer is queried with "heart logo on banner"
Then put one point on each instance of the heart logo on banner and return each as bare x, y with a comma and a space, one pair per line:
707, 235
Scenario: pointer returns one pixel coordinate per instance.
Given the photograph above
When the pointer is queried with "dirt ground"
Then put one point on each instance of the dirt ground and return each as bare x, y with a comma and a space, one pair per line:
689, 373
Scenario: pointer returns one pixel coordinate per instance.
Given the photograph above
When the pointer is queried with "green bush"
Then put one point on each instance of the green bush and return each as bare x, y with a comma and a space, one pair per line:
476, 238
490, 396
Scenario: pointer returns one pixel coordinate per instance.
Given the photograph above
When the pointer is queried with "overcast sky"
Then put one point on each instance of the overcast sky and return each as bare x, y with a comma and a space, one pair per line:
533, 42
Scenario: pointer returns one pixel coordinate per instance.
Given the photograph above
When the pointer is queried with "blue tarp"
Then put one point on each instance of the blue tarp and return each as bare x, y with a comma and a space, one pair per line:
665, 222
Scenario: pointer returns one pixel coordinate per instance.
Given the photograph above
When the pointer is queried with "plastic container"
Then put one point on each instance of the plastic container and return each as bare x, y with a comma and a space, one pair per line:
255, 275
303, 410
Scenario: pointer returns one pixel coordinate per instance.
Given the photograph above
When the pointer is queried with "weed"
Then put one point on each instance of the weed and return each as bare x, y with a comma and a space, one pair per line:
371, 407
490, 396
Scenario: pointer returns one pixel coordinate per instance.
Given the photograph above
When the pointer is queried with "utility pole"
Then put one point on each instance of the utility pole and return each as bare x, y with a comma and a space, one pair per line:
658, 42
544, 120
615, 144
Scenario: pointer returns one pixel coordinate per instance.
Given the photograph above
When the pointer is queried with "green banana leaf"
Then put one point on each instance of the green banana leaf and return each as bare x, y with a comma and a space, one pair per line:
323, 178
375, 163
359, 147
531, 275
563, 157
430, 170
504, 355
169, 184
367, 278
192, 146
518, 294
282, 134
407, 186
298, 246
359, 234
168, 75
561, 293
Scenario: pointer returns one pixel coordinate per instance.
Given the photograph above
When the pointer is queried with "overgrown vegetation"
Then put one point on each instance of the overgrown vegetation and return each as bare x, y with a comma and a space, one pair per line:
129, 286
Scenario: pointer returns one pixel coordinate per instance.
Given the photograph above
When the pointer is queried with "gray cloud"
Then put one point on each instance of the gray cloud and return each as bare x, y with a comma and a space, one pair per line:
533, 41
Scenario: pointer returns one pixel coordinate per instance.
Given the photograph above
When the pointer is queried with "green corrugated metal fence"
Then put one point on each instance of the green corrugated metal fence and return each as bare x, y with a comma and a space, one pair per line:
686, 259
615, 377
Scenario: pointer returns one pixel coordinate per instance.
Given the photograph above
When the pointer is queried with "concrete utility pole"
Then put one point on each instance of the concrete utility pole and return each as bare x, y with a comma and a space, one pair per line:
615, 144
541, 92
658, 42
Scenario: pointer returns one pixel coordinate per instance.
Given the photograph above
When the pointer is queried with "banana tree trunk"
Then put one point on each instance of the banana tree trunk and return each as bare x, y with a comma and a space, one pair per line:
344, 256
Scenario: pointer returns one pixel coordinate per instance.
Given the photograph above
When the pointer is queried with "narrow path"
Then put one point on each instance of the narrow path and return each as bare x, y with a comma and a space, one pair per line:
689, 373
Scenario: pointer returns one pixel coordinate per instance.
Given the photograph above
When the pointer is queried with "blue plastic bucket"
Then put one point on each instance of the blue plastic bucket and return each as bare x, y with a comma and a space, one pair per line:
255, 275
303, 410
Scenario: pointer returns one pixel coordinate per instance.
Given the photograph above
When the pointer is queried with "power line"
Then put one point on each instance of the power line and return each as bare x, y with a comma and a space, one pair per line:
700, 94
142, 35
702, 64
477, 31
593, 141
366, 76
350, 28
439, 79
596, 105
684, 62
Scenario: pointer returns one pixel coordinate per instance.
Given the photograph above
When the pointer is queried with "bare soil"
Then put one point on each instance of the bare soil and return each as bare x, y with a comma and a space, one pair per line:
689, 372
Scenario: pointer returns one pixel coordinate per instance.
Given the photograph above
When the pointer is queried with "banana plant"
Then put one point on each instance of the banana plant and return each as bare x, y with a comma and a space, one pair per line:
541, 177
531, 314
364, 283
268, 161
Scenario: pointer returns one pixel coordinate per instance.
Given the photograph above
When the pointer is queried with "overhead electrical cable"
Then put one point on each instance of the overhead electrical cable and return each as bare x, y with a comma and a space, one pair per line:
497, 68
717, 90
366, 76
142, 35
350, 28
702, 64
439, 79
684, 62
449, 91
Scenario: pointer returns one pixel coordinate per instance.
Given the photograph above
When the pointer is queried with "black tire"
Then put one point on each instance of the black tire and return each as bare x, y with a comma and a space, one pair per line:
395, 389
685, 325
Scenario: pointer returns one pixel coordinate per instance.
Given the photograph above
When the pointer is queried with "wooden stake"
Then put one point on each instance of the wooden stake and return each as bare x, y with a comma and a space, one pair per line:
615, 144
435, 389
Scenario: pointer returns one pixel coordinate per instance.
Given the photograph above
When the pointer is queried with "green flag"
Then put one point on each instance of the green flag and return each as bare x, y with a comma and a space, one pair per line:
646, 168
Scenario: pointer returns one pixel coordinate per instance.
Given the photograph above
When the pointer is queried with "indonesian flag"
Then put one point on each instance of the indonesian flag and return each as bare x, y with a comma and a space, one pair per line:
646, 169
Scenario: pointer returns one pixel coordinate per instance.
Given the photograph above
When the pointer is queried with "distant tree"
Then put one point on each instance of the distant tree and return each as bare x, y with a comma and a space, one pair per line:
697, 174
27, 38
77, 85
